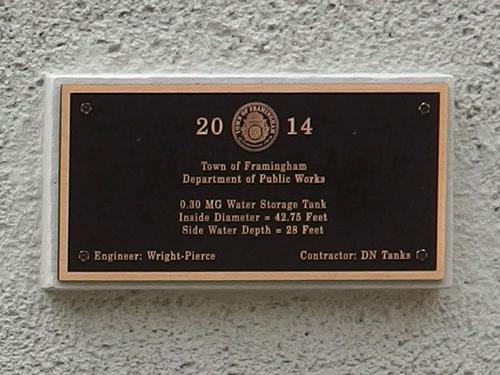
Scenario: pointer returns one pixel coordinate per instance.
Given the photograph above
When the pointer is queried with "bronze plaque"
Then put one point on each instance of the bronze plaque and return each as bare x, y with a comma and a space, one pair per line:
252, 182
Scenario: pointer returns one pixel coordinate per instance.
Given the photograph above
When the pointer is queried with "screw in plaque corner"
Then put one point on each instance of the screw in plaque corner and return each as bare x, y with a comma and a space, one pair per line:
86, 108
421, 255
424, 108
84, 256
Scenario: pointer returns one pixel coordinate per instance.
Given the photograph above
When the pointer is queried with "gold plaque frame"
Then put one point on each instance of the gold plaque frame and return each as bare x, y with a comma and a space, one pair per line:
67, 89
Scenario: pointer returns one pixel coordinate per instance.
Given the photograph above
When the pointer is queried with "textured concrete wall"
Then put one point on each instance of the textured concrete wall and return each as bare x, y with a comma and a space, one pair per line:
453, 331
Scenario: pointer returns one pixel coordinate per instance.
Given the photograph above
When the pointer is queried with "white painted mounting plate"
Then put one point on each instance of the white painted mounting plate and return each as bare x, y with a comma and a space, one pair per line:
141, 171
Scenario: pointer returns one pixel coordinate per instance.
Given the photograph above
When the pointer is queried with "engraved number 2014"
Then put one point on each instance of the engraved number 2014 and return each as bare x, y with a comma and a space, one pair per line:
205, 127
215, 126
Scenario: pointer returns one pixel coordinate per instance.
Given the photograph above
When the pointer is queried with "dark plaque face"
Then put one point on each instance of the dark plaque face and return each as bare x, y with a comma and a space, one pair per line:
252, 182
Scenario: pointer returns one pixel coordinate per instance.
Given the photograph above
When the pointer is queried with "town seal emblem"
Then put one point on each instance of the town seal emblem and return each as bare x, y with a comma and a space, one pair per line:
255, 126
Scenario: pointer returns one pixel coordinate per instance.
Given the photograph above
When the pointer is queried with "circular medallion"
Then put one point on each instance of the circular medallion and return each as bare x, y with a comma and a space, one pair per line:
255, 126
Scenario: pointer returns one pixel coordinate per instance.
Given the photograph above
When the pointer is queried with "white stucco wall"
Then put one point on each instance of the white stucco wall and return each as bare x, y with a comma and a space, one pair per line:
451, 331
